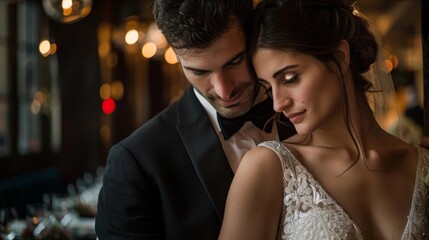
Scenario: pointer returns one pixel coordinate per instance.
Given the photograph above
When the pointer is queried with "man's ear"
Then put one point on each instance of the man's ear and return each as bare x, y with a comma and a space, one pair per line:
344, 55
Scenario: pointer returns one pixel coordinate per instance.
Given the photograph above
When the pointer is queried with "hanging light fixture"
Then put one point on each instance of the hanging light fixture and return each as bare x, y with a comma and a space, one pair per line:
67, 11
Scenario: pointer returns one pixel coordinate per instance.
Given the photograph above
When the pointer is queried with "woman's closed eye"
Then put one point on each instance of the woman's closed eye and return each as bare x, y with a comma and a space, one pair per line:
289, 78
286, 79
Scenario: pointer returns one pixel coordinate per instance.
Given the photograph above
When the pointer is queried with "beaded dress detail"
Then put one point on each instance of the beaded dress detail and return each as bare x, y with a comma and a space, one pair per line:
310, 213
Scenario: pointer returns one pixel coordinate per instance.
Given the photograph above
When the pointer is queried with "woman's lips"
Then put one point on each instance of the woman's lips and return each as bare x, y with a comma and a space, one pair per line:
296, 117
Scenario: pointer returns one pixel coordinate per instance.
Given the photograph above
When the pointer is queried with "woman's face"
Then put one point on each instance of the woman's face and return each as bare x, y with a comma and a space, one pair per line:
303, 88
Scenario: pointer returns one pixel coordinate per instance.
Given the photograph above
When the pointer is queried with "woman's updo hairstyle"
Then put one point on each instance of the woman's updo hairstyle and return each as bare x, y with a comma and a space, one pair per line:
316, 28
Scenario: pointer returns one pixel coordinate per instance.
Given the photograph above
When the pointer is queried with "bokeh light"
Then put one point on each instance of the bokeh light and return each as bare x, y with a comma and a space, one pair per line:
45, 48
131, 37
149, 50
170, 56
108, 106
105, 91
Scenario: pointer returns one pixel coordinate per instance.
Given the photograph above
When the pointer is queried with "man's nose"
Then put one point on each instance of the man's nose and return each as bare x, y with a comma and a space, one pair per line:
223, 85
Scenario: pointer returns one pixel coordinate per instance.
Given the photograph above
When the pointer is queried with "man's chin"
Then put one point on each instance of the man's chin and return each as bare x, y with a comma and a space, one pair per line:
232, 113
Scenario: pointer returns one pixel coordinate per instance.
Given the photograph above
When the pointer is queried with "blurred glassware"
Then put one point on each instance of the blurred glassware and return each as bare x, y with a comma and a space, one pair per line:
80, 185
43, 224
88, 179
8, 218
36, 213
7, 215
99, 174
67, 11
71, 189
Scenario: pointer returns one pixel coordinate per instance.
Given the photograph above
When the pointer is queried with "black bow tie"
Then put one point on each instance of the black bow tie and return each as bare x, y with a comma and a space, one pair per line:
259, 115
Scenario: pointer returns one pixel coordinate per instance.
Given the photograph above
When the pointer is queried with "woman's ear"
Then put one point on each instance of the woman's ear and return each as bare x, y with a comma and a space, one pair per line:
344, 55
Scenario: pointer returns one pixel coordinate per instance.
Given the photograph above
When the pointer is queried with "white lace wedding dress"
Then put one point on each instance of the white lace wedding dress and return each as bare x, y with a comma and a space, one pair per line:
309, 213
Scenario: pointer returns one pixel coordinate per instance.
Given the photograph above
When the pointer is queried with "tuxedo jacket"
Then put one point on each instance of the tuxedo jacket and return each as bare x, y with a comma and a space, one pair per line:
167, 180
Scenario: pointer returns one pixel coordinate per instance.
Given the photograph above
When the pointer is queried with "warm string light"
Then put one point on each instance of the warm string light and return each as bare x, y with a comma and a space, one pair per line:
170, 56
146, 36
47, 48
391, 63
113, 90
131, 37
149, 49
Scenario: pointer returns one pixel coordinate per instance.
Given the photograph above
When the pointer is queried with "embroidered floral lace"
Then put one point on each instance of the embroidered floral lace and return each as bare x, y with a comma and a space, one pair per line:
310, 213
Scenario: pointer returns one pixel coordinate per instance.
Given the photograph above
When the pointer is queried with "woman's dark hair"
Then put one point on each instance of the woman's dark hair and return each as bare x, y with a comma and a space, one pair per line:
316, 28
196, 24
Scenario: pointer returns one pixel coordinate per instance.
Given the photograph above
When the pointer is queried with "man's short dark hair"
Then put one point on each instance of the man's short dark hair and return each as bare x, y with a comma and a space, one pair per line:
196, 24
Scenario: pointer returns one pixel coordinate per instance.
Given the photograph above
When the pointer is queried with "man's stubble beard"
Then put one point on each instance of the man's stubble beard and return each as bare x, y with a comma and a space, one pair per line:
248, 92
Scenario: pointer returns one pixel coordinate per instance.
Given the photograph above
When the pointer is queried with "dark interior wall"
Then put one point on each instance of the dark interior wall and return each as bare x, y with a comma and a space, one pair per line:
24, 179
18, 191
80, 100
425, 45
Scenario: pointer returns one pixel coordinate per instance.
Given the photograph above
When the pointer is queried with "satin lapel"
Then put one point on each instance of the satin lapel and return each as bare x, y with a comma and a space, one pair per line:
205, 150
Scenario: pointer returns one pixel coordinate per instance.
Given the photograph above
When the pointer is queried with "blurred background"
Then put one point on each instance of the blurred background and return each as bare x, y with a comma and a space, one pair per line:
77, 76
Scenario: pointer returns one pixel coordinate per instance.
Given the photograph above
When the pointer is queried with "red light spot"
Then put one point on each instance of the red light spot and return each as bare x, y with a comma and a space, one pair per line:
108, 106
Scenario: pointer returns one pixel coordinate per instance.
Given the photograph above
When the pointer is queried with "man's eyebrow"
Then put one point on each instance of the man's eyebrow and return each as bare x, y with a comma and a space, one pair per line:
194, 69
226, 64
284, 69
234, 57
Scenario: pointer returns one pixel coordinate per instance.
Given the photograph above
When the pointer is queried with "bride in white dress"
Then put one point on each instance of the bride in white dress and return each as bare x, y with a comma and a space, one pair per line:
342, 176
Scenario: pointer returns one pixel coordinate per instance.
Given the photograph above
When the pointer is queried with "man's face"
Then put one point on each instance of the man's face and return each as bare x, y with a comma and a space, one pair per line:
221, 73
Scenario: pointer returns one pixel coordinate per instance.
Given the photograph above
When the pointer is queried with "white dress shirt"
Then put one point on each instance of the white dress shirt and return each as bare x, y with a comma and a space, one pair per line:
246, 138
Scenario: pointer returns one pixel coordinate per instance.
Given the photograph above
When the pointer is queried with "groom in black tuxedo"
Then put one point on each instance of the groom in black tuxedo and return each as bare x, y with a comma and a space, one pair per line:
170, 178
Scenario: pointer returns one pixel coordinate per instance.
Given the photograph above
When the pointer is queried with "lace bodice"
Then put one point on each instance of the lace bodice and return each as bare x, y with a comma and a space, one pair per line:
309, 213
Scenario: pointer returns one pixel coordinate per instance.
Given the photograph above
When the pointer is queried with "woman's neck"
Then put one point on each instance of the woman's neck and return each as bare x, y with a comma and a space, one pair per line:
351, 128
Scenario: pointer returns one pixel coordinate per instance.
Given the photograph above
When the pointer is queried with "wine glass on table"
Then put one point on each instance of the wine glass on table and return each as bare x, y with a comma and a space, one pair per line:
8, 218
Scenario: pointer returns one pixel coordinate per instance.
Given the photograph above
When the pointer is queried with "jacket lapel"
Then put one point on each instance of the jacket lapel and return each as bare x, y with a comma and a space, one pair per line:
205, 150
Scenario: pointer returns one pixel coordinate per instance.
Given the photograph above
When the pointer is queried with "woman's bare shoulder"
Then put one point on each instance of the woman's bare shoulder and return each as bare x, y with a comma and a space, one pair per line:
259, 156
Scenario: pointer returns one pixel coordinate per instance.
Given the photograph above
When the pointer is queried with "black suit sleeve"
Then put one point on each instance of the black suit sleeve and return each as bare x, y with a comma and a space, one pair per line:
128, 207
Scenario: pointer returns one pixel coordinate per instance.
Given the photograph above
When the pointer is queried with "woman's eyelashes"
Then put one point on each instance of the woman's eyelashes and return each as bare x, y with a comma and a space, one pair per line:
288, 78
284, 79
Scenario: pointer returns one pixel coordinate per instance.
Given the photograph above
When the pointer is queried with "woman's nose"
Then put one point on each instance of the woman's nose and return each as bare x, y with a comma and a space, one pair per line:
280, 101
